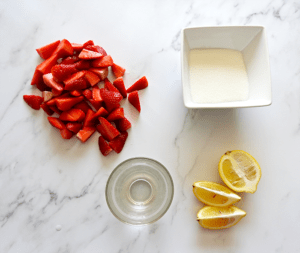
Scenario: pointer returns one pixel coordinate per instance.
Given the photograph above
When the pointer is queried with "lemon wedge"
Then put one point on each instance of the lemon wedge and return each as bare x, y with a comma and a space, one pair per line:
213, 217
214, 194
239, 171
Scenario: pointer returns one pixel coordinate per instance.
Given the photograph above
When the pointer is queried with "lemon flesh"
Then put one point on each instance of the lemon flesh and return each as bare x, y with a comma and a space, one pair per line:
213, 217
214, 194
239, 171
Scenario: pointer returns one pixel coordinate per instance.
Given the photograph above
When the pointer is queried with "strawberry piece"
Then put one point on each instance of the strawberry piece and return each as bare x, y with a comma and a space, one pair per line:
88, 94
76, 93
62, 71
117, 70
133, 98
56, 123
92, 78
68, 60
83, 106
111, 107
118, 143
72, 115
89, 42
45, 66
140, 84
103, 62
103, 146
101, 113
83, 65
101, 72
110, 97
33, 101
56, 92
92, 48
76, 81
47, 109
50, 82
43, 87
65, 104
77, 47
89, 55
123, 124
89, 119
96, 94
66, 133
116, 114
37, 80
46, 51
96, 104
101, 50
63, 49
47, 95
85, 133
109, 86
55, 109
107, 130
74, 127
119, 84
53, 100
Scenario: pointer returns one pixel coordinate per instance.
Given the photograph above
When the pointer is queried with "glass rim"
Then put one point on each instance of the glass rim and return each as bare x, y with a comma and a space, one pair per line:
171, 186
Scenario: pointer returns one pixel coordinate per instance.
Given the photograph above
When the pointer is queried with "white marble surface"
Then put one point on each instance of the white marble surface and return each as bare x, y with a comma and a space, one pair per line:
52, 191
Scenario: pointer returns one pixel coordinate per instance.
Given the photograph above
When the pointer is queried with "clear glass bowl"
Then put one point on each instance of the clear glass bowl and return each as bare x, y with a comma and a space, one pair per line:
139, 191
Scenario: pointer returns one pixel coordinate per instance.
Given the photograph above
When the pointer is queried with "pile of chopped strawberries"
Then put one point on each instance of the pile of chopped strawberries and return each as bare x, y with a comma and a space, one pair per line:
68, 79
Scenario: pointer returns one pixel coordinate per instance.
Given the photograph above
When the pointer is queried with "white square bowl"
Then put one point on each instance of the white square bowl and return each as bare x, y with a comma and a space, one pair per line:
251, 41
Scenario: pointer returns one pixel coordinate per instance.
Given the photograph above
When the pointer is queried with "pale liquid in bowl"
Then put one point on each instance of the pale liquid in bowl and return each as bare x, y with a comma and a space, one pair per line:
217, 75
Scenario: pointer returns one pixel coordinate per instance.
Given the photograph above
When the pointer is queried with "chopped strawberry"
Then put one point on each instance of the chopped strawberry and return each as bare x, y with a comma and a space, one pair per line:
123, 124
83, 65
62, 71
64, 49
74, 127
88, 94
117, 70
133, 98
89, 42
92, 48
50, 82
89, 55
110, 97
72, 115
47, 95
55, 109
109, 86
33, 101
119, 84
96, 94
45, 66
47, 109
101, 72
85, 133
118, 143
53, 100
69, 60
92, 78
107, 130
140, 84
103, 62
89, 119
101, 113
37, 77
56, 92
56, 123
83, 106
110, 107
66, 133
77, 47
76, 81
101, 50
46, 51
96, 104
76, 93
65, 104
116, 114
103, 146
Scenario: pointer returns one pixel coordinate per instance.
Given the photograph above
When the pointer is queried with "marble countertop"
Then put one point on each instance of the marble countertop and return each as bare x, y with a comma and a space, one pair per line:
52, 191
